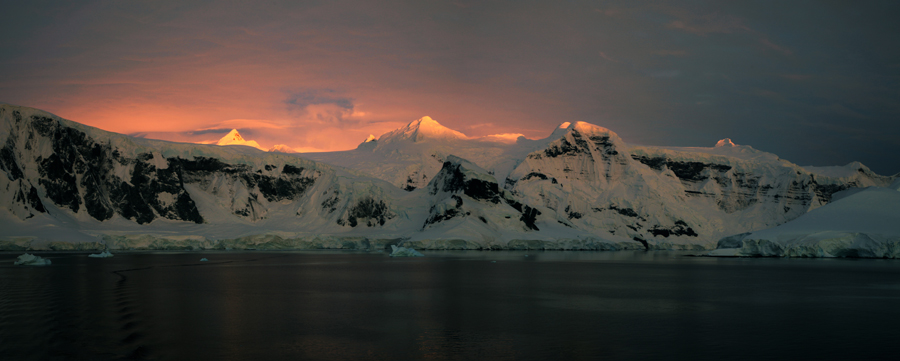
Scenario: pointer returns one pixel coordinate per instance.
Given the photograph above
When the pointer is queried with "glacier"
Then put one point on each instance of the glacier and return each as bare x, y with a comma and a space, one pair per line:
68, 186
859, 223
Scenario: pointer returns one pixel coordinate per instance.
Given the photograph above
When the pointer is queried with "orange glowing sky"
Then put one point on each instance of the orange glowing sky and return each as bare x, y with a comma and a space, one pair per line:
323, 76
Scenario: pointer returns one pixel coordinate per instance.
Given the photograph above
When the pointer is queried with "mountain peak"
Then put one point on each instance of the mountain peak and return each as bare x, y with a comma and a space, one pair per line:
582, 127
725, 143
230, 138
235, 138
371, 138
423, 128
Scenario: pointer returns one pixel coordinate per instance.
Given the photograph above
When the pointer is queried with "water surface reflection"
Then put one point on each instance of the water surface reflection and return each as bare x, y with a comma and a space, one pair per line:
448, 305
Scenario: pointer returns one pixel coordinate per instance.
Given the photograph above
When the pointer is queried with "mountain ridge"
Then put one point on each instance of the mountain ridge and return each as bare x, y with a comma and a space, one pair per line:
583, 187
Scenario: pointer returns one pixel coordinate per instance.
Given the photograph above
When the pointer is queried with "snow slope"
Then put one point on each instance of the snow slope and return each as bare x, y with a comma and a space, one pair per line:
281, 148
408, 157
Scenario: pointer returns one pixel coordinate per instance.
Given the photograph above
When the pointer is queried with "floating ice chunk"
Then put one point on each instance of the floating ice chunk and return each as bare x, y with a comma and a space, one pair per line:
404, 252
204, 260
32, 260
104, 254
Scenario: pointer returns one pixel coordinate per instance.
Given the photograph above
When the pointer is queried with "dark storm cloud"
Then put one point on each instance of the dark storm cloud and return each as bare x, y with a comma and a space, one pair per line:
814, 82
209, 131
304, 98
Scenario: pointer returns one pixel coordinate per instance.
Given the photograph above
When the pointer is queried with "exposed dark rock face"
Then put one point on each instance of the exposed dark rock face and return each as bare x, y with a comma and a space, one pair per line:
58, 170
291, 170
689, 171
825, 191
627, 212
373, 212
604, 144
413, 180
642, 241
454, 181
534, 175
100, 190
656, 163
679, 229
440, 216
694, 171
419, 178
563, 148
586, 157
8, 160
329, 205
291, 184
739, 190
529, 214
482, 190
34, 200
82, 173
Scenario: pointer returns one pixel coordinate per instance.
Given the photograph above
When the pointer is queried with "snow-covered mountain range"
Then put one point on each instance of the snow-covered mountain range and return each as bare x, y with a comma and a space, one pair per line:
66, 185
235, 138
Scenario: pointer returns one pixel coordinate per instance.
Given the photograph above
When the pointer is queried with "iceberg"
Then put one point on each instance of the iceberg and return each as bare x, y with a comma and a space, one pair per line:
204, 260
404, 252
32, 260
104, 254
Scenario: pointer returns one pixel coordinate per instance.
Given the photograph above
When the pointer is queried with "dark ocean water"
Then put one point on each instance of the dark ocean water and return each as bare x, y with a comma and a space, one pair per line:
448, 305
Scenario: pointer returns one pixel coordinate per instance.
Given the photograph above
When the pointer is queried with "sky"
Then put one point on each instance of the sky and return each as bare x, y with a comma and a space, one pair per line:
815, 82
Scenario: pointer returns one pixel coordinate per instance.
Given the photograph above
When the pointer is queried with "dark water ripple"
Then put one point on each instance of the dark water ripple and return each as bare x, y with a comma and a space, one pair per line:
449, 305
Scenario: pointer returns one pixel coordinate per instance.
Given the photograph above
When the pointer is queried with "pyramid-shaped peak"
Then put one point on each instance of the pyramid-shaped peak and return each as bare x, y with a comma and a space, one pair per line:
231, 138
421, 129
725, 143
431, 126
371, 138
235, 138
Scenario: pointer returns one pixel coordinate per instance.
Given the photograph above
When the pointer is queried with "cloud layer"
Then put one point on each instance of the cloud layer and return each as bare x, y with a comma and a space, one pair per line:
816, 83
